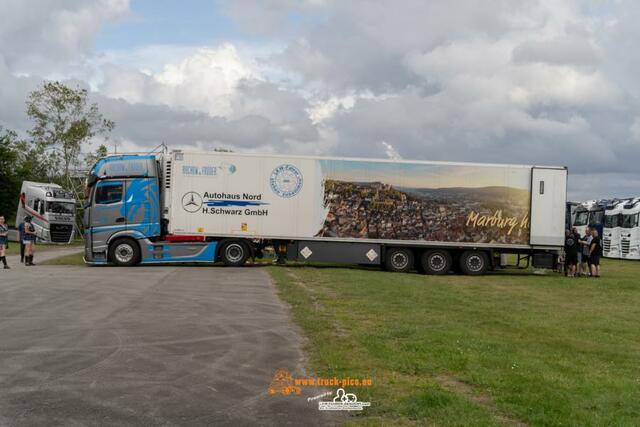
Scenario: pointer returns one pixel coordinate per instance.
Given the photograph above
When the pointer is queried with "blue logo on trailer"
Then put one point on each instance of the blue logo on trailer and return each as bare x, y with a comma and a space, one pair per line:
286, 180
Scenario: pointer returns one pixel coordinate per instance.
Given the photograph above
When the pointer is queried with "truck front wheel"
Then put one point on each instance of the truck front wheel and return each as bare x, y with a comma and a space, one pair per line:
399, 260
474, 263
436, 261
124, 252
234, 253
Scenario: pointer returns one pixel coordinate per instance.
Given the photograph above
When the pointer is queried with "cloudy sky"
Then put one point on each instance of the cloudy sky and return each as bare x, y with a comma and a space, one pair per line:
501, 81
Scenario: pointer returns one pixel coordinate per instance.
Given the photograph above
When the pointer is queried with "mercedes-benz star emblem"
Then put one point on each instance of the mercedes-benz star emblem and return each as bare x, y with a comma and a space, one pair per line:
191, 202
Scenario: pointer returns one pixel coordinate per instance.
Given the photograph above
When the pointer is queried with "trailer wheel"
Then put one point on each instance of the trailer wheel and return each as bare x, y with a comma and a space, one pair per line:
124, 252
234, 253
436, 261
474, 263
399, 260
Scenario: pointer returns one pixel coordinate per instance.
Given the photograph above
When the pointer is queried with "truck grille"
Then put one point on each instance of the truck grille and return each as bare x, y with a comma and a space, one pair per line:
606, 245
624, 246
61, 233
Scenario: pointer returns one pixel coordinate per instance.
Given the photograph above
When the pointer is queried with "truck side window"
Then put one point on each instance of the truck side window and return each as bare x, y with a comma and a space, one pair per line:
109, 192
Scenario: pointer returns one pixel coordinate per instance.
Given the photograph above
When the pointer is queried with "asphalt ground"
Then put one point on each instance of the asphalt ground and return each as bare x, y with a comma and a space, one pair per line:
159, 345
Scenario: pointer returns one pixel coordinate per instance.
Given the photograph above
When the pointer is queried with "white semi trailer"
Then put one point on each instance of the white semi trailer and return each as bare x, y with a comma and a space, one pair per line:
52, 208
402, 215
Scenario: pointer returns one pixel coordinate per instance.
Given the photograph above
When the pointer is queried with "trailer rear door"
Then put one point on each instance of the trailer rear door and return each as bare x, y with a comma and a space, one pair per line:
548, 205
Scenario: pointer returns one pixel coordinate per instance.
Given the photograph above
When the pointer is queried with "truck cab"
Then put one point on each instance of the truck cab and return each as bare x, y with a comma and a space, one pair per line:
122, 204
52, 208
590, 214
630, 231
611, 229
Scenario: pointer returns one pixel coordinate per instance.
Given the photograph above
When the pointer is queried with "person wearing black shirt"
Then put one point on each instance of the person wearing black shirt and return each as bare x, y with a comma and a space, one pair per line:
571, 253
595, 250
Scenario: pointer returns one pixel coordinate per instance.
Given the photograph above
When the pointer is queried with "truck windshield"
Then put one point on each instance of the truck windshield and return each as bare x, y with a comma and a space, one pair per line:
611, 221
596, 217
61, 207
581, 218
630, 221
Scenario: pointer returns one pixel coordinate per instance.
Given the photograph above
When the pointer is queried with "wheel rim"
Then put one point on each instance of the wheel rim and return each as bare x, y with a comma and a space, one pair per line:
475, 263
234, 252
123, 253
437, 262
399, 260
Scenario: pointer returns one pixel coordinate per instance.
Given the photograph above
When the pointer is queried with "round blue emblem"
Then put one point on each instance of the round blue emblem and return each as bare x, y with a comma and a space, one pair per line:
286, 180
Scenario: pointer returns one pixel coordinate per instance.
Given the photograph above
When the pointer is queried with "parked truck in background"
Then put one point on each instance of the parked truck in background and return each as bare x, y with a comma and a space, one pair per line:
630, 230
590, 214
401, 215
612, 228
52, 208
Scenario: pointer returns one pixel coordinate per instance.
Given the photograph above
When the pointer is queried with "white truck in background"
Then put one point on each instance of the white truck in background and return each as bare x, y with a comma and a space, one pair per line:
612, 229
52, 208
630, 230
402, 215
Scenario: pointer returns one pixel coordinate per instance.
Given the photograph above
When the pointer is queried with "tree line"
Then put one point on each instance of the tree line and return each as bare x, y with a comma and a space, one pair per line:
64, 123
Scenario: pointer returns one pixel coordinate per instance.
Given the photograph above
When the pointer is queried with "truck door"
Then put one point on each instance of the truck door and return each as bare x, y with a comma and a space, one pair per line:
143, 206
108, 210
548, 205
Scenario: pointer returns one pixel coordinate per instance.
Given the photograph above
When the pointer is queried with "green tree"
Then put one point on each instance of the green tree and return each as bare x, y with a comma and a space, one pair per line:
63, 122
19, 161
92, 158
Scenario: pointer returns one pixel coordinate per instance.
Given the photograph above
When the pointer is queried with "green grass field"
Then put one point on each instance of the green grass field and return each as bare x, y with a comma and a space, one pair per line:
73, 259
510, 348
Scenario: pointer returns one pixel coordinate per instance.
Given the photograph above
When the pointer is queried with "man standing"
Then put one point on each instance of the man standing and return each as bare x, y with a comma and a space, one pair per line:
576, 237
29, 240
595, 250
571, 253
21, 239
585, 248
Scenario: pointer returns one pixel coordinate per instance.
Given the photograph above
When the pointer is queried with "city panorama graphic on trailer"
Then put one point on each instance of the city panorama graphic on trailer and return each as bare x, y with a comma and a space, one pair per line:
434, 202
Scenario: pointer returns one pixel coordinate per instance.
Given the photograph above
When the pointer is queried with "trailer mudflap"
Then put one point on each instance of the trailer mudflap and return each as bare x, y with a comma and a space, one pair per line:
346, 252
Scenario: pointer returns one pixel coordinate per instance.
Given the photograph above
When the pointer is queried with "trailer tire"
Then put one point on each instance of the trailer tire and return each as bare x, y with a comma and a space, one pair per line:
234, 253
398, 260
474, 263
436, 261
124, 252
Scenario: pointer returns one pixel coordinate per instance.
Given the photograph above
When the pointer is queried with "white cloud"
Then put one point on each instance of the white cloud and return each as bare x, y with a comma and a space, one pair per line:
546, 82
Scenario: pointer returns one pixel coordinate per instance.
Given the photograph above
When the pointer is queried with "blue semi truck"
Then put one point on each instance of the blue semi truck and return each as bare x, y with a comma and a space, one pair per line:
402, 215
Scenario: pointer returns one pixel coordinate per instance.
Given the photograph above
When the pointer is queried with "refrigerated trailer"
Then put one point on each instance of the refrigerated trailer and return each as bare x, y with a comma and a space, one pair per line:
52, 208
401, 215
